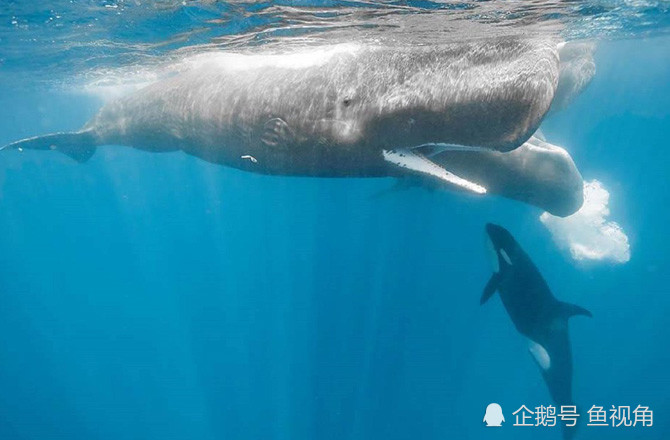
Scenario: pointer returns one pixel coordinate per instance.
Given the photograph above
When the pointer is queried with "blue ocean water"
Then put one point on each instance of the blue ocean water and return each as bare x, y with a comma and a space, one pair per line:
157, 296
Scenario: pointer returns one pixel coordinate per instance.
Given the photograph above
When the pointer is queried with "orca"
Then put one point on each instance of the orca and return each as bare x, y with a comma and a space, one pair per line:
535, 312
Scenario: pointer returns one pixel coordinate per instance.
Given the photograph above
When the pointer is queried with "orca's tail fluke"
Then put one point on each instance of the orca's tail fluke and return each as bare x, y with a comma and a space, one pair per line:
79, 145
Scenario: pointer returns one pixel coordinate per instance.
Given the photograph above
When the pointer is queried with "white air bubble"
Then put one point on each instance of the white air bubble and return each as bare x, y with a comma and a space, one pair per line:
588, 234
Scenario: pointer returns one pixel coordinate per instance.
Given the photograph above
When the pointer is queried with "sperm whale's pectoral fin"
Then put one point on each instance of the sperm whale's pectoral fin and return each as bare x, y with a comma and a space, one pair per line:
418, 163
401, 184
490, 288
79, 145
569, 310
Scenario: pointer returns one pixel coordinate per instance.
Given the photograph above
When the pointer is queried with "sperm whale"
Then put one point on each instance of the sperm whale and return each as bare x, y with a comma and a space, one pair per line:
341, 110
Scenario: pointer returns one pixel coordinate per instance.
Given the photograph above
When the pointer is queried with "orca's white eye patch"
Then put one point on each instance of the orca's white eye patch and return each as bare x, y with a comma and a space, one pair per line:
493, 255
505, 256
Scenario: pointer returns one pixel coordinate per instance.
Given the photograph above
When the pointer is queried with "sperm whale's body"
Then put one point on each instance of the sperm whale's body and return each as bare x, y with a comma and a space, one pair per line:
343, 110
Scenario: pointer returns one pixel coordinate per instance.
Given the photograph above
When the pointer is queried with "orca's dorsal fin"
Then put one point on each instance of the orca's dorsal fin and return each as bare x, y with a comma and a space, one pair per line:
490, 287
569, 310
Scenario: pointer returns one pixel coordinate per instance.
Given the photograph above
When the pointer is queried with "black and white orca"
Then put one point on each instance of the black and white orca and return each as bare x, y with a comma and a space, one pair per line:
535, 312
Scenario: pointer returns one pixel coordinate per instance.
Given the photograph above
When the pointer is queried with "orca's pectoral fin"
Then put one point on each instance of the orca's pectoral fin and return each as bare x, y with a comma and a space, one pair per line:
490, 288
420, 164
569, 310
79, 145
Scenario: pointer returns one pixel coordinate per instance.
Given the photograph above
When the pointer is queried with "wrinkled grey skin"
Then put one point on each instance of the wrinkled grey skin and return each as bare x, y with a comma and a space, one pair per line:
577, 69
334, 118
331, 111
332, 115
537, 173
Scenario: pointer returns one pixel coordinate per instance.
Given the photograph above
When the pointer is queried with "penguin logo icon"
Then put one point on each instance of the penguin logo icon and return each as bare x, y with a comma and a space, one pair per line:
494, 415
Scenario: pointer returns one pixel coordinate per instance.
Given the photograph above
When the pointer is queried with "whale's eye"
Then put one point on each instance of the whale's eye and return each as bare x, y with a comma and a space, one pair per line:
346, 102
